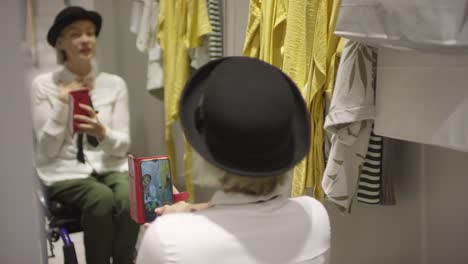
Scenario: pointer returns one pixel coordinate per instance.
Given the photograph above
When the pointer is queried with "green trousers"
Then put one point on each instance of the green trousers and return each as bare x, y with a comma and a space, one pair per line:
108, 229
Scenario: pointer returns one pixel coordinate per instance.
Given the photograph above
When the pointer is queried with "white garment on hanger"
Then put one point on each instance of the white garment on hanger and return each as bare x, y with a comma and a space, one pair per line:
135, 17
200, 55
414, 24
349, 121
422, 97
146, 42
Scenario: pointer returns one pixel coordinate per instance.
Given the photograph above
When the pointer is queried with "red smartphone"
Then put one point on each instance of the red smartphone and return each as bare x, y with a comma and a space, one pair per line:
78, 97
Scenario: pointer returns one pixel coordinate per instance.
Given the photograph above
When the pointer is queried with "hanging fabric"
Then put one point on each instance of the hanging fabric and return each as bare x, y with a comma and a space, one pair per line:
416, 24
181, 25
429, 90
297, 37
146, 42
370, 178
349, 120
136, 15
212, 44
324, 49
266, 30
215, 38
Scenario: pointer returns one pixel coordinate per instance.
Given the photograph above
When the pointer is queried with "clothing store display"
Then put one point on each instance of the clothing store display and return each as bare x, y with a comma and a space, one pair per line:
417, 24
280, 117
428, 90
181, 25
146, 42
69, 15
241, 228
317, 88
349, 120
104, 206
370, 179
265, 31
56, 150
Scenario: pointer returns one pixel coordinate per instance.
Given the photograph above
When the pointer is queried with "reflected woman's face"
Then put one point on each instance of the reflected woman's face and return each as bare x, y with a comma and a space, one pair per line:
78, 40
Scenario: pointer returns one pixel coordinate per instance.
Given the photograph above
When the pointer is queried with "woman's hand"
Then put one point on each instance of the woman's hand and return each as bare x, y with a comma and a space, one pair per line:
178, 208
64, 90
89, 123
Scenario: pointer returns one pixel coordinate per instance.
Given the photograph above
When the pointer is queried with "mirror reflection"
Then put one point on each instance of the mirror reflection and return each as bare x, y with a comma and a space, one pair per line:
248, 131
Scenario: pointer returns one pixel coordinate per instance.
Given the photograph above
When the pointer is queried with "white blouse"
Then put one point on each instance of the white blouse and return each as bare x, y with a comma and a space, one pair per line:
55, 147
241, 229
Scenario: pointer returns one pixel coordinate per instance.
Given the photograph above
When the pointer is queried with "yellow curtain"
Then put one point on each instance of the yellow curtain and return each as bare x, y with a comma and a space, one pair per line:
181, 25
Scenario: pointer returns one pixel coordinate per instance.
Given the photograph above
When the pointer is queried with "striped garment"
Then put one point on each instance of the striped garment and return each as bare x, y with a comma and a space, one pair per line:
370, 179
215, 38
371, 175
375, 185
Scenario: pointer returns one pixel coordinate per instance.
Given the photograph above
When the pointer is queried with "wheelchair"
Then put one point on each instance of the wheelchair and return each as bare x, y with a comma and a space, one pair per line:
61, 222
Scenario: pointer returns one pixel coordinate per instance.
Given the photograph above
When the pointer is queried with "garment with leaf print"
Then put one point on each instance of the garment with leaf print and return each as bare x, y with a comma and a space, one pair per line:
349, 121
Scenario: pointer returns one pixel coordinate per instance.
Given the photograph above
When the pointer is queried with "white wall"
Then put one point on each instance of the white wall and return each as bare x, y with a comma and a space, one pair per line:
385, 234
21, 233
445, 183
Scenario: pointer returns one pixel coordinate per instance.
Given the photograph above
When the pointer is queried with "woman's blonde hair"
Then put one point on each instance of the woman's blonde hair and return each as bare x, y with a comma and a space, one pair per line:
215, 177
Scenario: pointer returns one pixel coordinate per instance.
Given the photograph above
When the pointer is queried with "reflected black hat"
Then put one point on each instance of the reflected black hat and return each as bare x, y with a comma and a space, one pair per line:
245, 116
69, 15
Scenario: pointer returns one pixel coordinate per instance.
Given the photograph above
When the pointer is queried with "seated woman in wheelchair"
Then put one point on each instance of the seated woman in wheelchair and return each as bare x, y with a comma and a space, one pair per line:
86, 169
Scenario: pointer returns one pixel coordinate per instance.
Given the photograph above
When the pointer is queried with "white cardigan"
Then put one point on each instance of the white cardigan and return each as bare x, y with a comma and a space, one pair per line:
55, 148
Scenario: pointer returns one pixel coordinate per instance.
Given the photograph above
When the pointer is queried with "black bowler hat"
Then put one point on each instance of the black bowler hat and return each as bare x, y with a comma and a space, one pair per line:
69, 15
245, 116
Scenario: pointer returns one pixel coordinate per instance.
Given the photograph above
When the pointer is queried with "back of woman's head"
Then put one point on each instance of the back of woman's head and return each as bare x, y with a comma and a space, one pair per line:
206, 174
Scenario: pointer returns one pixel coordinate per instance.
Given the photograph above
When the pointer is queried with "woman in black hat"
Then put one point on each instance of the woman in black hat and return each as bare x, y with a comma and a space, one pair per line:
248, 125
87, 169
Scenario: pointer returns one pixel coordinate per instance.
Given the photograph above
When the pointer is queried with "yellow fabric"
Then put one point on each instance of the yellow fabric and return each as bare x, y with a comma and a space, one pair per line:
297, 36
320, 81
299, 40
180, 27
266, 29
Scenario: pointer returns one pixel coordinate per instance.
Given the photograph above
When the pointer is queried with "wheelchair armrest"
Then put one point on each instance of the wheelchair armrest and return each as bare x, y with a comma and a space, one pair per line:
41, 197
